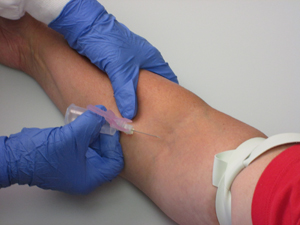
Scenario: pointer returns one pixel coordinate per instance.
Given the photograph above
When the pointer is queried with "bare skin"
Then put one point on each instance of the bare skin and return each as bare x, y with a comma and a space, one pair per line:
174, 171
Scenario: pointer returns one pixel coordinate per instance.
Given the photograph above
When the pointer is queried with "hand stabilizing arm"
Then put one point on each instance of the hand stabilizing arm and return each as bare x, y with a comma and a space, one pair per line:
112, 47
94, 33
73, 158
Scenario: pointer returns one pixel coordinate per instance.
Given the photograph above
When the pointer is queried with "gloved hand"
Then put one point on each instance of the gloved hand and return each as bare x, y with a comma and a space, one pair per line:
74, 158
111, 46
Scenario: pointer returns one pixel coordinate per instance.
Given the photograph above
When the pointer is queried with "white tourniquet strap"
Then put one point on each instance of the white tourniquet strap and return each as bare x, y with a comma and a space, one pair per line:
227, 165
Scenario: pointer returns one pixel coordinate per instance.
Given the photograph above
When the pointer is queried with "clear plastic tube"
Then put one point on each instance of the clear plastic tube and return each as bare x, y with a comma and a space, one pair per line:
74, 111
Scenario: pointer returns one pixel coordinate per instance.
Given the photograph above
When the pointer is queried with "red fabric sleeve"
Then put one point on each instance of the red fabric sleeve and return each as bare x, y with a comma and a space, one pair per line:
276, 198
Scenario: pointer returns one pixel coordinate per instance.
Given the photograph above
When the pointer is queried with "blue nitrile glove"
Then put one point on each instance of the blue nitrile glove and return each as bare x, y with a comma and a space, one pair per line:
111, 46
74, 158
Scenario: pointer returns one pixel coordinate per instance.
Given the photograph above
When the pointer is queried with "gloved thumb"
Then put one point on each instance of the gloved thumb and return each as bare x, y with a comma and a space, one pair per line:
87, 126
126, 99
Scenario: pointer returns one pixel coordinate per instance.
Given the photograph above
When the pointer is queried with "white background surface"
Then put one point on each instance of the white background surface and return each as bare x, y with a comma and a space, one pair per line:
241, 57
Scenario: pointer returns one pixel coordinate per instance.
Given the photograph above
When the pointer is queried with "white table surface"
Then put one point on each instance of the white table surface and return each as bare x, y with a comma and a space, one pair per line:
241, 57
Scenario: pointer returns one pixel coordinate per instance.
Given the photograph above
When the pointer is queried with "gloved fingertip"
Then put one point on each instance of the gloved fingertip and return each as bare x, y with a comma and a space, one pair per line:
102, 107
128, 112
94, 118
175, 80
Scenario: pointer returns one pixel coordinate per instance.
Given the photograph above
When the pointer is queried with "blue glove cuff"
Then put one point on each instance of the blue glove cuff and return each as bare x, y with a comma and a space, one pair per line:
76, 17
20, 155
16, 158
4, 178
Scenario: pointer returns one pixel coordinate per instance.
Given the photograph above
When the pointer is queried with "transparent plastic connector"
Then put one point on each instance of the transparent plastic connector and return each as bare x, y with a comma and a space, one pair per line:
74, 111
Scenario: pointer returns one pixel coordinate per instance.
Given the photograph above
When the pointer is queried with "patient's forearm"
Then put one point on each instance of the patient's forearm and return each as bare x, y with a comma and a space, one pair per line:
174, 171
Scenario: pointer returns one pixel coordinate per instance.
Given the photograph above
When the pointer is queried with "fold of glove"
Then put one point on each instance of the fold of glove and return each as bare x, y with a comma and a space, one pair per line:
112, 47
74, 158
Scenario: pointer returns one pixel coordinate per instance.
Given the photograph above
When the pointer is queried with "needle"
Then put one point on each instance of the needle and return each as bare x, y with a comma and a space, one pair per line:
145, 133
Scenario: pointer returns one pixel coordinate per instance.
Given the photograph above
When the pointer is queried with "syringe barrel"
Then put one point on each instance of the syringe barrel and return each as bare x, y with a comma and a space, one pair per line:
74, 111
